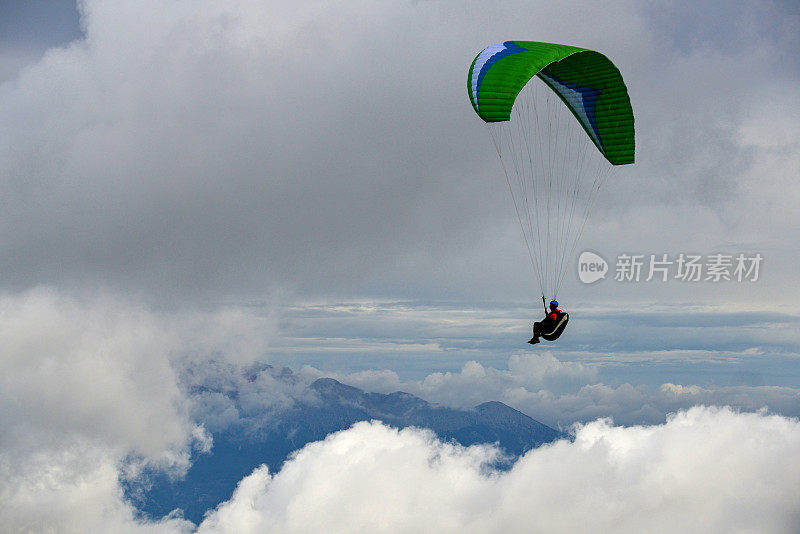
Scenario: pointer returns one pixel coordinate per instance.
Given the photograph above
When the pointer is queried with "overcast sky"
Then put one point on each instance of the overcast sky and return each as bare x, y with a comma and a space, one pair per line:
306, 183
331, 151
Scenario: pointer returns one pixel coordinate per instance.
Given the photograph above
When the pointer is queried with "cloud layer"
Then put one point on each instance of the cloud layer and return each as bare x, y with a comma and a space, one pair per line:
94, 389
207, 150
560, 393
709, 470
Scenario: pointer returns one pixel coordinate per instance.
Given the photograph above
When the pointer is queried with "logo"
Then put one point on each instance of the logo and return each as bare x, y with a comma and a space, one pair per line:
591, 267
718, 267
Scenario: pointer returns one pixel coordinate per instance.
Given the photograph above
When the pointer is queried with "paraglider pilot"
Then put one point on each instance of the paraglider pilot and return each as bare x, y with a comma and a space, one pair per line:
551, 327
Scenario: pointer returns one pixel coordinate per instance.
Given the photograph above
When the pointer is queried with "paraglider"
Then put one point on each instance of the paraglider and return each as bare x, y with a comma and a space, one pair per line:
552, 326
560, 119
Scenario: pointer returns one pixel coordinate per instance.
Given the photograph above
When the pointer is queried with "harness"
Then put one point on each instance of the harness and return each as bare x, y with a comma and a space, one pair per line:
560, 321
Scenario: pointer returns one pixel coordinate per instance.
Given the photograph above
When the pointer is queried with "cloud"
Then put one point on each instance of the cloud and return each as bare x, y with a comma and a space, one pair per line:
194, 152
99, 368
84, 383
28, 29
221, 146
95, 389
74, 489
197, 153
612, 361
91, 393
475, 383
706, 469
637, 403
224, 394
560, 393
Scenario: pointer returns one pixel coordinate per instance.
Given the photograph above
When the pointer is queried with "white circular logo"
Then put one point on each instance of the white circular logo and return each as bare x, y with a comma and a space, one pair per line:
591, 267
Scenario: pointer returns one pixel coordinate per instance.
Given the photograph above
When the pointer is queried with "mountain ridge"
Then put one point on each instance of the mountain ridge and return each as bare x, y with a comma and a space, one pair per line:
334, 406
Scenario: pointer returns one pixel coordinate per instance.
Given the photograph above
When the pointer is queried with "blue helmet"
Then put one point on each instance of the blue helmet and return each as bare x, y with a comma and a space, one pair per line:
554, 304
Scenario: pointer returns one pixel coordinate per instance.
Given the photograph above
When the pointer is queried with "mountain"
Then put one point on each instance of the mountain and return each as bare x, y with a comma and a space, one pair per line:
330, 407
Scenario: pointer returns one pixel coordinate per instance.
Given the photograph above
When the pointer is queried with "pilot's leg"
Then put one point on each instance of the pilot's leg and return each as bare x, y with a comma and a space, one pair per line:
535, 339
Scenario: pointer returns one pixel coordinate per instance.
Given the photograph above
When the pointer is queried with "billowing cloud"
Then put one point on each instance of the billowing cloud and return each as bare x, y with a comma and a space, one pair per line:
227, 145
216, 149
709, 470
224, 394
90, 393
98, 368
74, 489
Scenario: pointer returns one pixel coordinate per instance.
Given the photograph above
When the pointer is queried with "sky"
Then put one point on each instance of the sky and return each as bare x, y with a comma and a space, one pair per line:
306, 184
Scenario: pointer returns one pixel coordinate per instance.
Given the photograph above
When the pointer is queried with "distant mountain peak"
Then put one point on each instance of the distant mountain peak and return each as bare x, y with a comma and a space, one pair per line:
331, 389
498, 406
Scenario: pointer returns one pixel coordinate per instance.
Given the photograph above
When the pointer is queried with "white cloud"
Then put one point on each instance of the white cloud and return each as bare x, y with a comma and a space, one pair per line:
96, 368
706, 470
476, 383
74, 489
89, 394
559, 393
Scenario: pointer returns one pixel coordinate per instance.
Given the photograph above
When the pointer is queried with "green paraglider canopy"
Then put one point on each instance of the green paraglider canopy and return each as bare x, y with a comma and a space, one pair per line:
586, 81
529, 94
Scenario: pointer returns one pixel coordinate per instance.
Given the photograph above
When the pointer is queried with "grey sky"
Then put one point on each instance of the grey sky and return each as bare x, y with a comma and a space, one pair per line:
196, 159
205, 160
29, 27
305, 183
